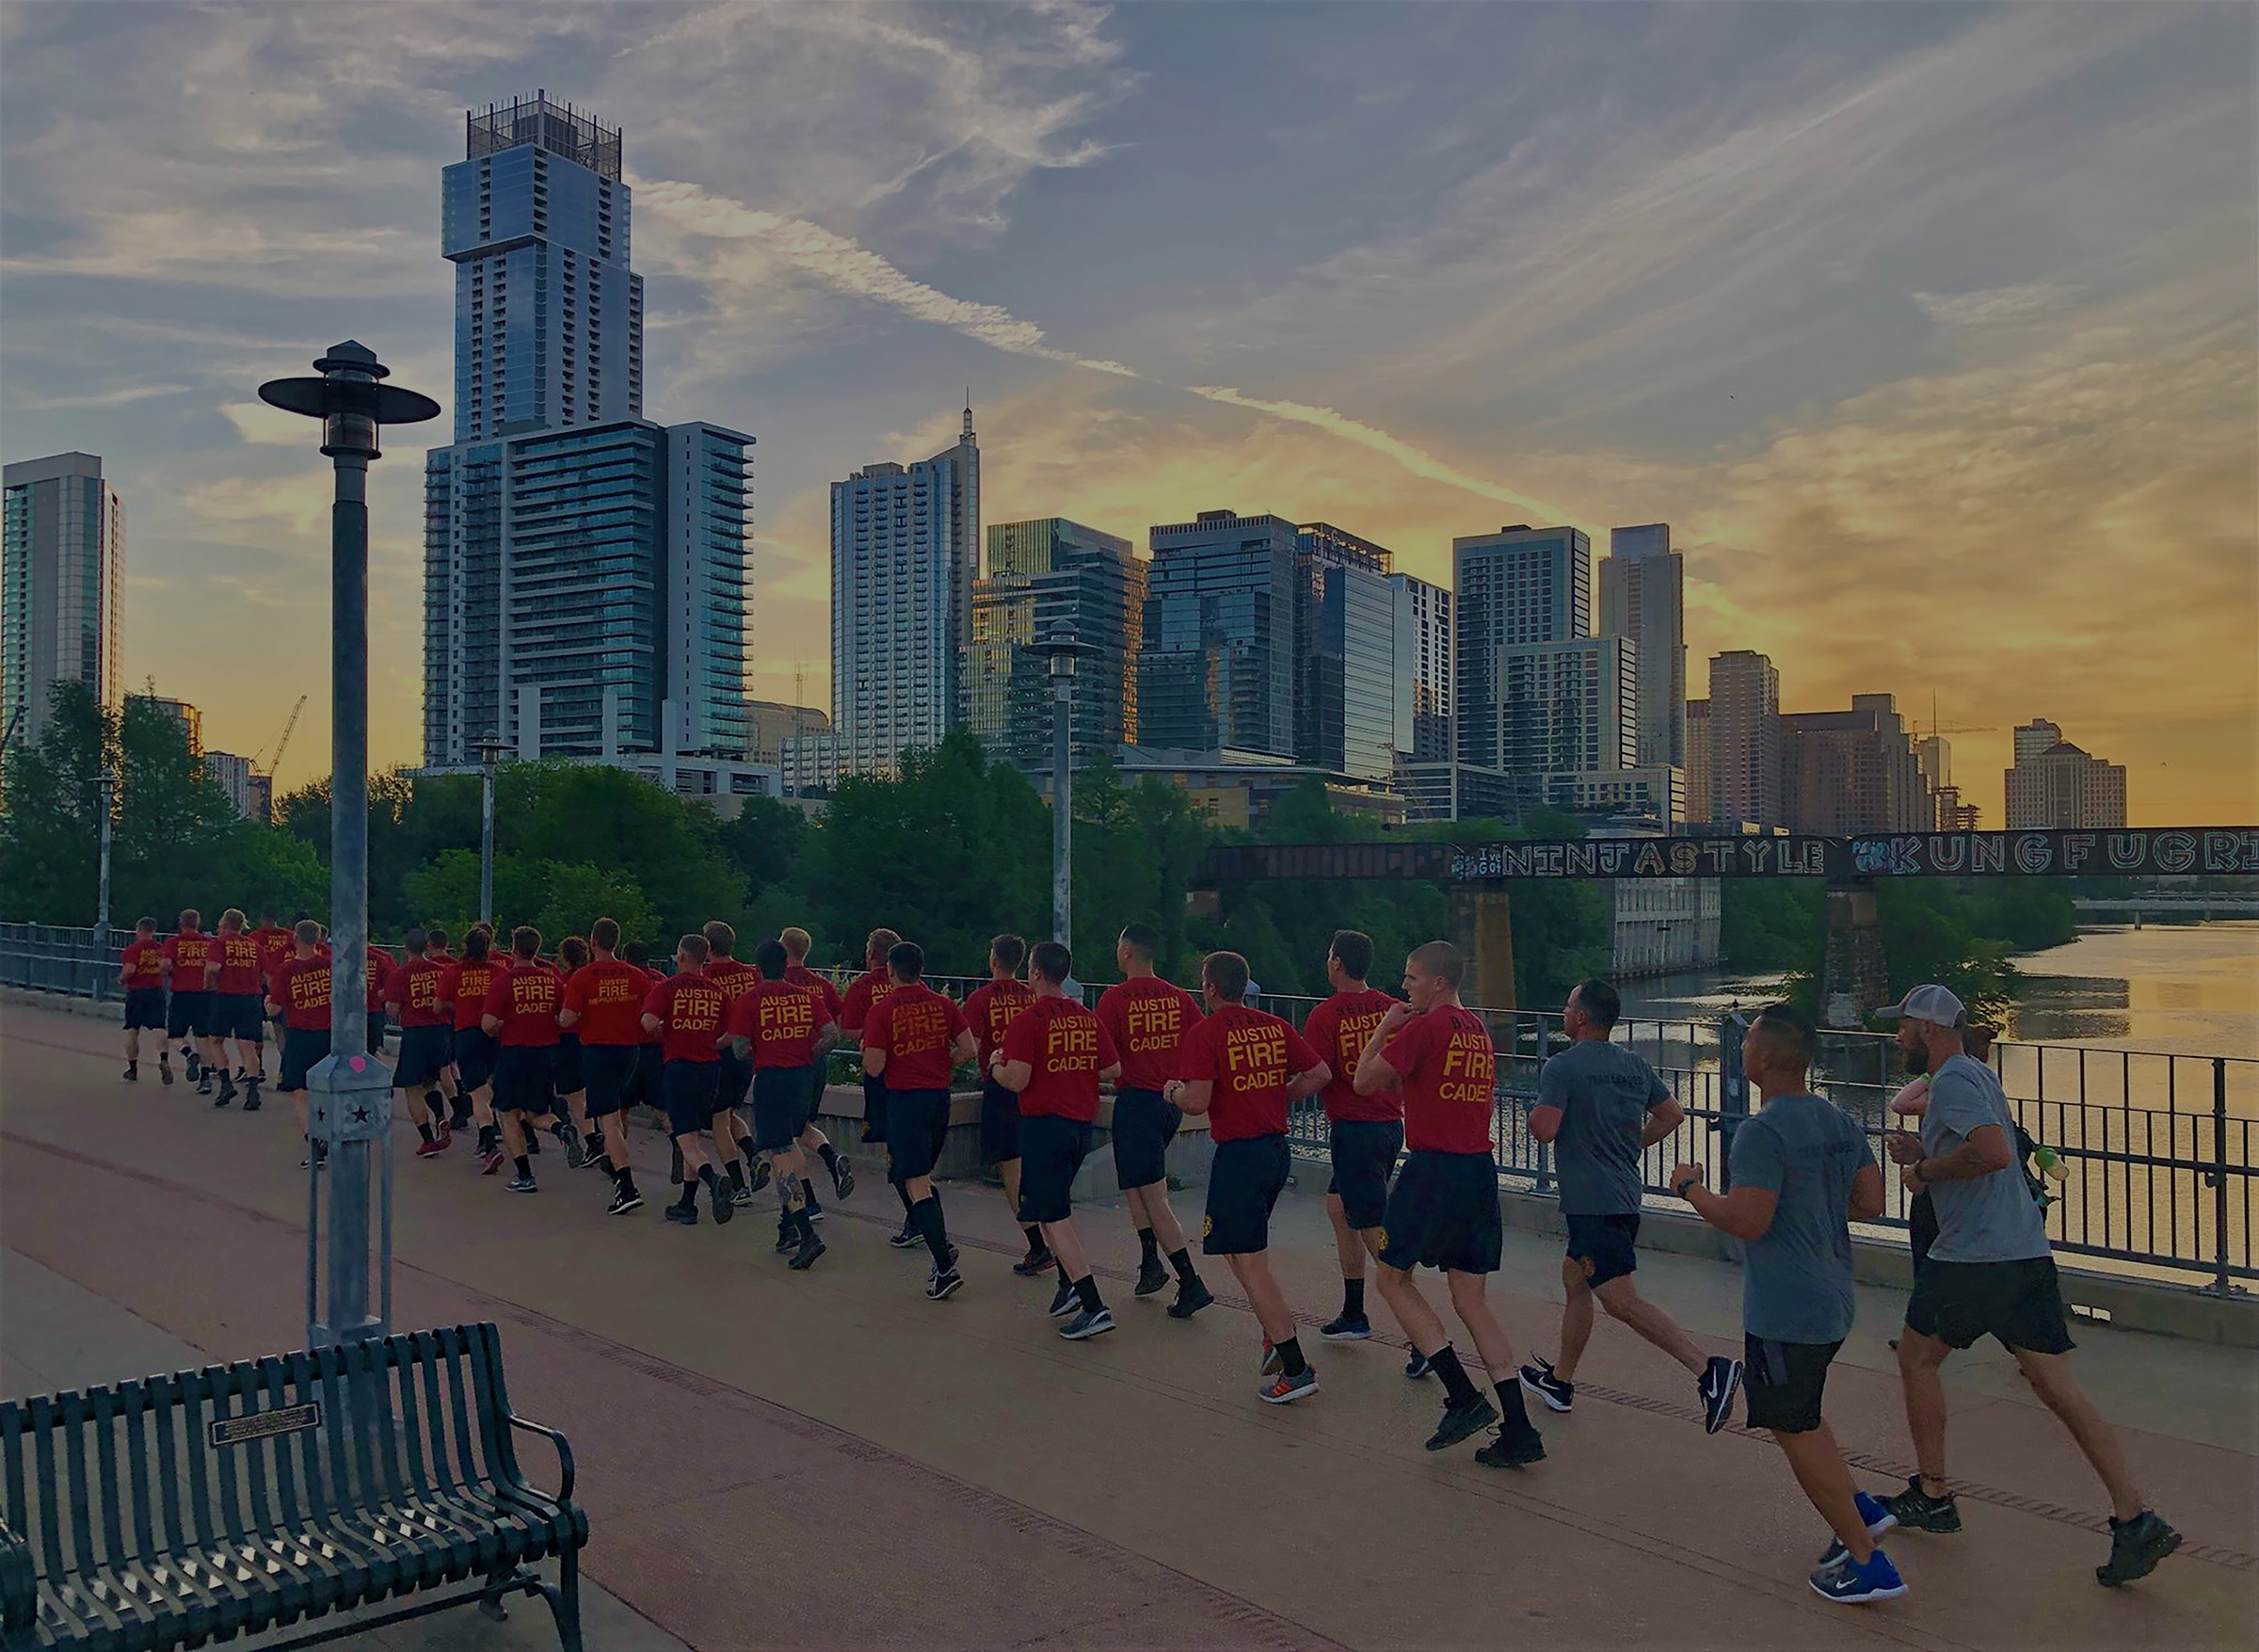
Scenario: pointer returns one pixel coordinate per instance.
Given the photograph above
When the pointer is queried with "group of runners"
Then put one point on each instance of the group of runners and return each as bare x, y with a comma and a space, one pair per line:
732, 1051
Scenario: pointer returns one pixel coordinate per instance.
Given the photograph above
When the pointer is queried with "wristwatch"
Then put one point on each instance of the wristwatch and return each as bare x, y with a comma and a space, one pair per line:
1680, 1187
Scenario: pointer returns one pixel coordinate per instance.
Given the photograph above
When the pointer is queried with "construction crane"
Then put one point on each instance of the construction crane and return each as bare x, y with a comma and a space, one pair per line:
276, 761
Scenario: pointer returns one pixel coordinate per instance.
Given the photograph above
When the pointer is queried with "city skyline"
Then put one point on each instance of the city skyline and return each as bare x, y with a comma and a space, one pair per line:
1907, 443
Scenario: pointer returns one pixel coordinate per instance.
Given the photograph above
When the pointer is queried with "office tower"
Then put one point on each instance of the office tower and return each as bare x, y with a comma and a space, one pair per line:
1423, 674
1642, 596
1699, 779
62, 566
769, 723
905, 555
1344, 654
2062, 785
585, 592
1518, 585
183, 716
547, 318
237, 783
1852, 771
1041, 575
1569, 705
1745, 740
1217, 667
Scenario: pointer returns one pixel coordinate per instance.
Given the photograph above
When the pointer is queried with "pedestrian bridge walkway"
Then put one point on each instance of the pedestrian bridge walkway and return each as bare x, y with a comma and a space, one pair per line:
777, 1460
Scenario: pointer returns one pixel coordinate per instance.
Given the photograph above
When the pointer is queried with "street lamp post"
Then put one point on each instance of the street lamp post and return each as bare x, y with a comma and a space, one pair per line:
489, 752
1064, 651
107, 787
349, 1092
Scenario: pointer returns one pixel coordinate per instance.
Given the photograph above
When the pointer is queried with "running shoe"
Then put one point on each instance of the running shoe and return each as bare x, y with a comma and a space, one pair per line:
1347, 1327
686, 1215
576, 1152
741, 1196
1917, 1510
1558, 1393
908, 1238
842, 1175
1513, 1451
203, 1086
760, 1174
489, 1162
593, 1153
1087, 1323
1063, 1302
1877, 1520
132, 1072
1719, 1381
446, 1135
1151, 1278
2135, 1548
1191, 1296
1283, 1390
251, 1102
163, 1072
725, 1206
944, 1283
430, 1149
805, 1258
786, 1240
1035, 1263
227, 1091
192, 1064
1849, 1584
1462, 1422
1416, 1366
1273, 1363
623, 1201
523, 1184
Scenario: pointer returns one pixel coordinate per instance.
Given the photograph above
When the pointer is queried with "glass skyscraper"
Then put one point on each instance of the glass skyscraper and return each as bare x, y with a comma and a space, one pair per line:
1643, 597
62, 565
1518, 585
1344, 654
1040, 575
1217, 668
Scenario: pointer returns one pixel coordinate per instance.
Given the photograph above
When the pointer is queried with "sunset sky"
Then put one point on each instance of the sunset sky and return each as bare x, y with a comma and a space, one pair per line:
1929, 329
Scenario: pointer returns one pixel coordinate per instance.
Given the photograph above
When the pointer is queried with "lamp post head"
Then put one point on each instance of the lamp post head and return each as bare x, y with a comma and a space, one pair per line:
1064, 651
350, 400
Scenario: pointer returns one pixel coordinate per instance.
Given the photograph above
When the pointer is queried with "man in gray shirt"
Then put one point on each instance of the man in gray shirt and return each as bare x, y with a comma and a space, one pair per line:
1802, 1173
1990, 1274
1601, 1106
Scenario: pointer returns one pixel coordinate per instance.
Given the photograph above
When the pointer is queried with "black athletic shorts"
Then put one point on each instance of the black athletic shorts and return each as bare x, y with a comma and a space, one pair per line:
1244, 1183
236, 1015
186, 1015
688, 1088
145, 1008
1443, 1212
1051, 1151
1921, 1228
875, 1107
780, 1107
609, 1071
425, 1052
570, 1076
912, 1147
474, 1049
376, 1029
999, 1126
2021, 1303
1143, 1126
1602, 1246
302, 1046
522, 1073
1783, 1383
814, 1102
732, 1080
1365, 1152
647, 1084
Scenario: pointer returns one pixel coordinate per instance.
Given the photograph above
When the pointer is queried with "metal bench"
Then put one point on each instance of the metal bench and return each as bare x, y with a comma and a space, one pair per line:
173, 1511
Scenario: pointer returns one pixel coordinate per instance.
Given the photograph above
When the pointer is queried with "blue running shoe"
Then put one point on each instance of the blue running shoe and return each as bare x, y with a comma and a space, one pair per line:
1851, 1584
1879, 1520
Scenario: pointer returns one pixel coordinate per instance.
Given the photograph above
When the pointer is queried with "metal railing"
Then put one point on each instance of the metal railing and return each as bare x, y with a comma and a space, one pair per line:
2159, 1145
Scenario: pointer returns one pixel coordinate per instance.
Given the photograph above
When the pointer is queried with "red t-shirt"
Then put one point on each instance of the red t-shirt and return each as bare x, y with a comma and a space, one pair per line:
1338, 1029
302, 988
608, 997
780, 1020
801, 976
1148, 1019
1066, 1046
189, 953
864, 993
991, 1009
414, 989
1450, 1070
275, 944
523, 998
141, 962
1248, 1055
464, 985
733, 975
691, 1010
237, 956
915, 1026
381, 965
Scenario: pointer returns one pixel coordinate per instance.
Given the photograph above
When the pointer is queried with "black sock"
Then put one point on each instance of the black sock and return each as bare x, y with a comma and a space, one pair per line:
1513, 1415
689, 1201
1182, 1260
433, 1099
707, 1176
595, 1144
737, 1174
926, 1214
1086, 1290
424, 1130
524, 1168
808, 1191
625, 1181
903, 1193
1148, 1248
830, 1155
1352, 1299
1457, 1389
1035, 1245
1290, 1360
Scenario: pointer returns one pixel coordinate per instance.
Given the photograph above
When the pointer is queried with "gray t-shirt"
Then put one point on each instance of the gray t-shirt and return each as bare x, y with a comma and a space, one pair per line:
1605, 1093
1796, 1281
1980, 1218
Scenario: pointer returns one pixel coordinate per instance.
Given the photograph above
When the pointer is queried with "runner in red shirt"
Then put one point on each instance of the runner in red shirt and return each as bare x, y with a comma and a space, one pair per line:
603, 1004
299, 996
463, 995
379, 974
988, 1011
1148, 1019
427, 1041
186, 955
688, 1012
913, 1039
1051, 1060
1243, 1069
733, 1078
587, 1150
237, 1010
520, 1015
796, 942
864, 991
141, 972
781, 1031
645, 1084
1365, 1133
1443, 1212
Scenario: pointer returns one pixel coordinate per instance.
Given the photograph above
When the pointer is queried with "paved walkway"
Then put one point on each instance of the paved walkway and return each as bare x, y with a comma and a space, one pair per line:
831, 1461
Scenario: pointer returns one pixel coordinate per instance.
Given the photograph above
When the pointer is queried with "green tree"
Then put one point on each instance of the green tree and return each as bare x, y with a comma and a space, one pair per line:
557, 899
49, 830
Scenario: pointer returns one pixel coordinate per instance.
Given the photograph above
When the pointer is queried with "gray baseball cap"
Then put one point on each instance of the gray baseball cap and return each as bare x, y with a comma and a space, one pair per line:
1928, 1003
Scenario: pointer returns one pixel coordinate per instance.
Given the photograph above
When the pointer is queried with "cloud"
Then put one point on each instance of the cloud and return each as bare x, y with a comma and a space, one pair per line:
124, 396
1994, 304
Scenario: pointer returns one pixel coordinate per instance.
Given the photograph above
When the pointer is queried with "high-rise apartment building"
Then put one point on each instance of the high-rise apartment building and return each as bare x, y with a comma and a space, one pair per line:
1041, 575
1424, 642
62, 569
1853, 771
1345, 653
1745, 740
904, 555
1217, 667
1699, 777
2059, 785
1518, 585
1568, 706
183, 716
1643, 597
769, 723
